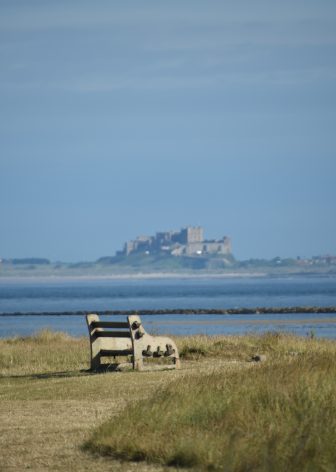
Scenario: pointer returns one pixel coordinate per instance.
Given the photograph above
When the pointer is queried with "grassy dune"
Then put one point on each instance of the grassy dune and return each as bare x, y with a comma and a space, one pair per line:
220, 412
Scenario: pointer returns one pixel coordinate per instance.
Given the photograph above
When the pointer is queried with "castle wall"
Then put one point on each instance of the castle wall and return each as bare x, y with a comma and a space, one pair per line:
216, 247
189, 241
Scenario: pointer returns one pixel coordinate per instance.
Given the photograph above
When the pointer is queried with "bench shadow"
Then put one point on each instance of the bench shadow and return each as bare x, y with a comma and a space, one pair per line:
48, 375
63, 374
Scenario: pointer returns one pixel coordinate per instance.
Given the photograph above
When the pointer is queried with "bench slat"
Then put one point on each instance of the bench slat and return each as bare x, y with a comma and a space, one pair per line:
108, 324
111, 334
108, 352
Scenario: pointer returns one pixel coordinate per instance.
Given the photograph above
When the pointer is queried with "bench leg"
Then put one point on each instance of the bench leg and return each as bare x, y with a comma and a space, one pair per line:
137, 363
95, 362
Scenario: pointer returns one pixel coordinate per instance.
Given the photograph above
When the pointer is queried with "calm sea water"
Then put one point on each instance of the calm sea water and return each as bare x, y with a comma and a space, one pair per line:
99, 295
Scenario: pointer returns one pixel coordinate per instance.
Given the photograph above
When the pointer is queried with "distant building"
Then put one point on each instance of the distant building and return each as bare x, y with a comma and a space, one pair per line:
324, 260
189, 241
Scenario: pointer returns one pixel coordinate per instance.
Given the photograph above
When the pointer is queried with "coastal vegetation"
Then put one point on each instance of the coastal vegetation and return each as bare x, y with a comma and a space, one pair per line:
161, 265
222, 411
281, 416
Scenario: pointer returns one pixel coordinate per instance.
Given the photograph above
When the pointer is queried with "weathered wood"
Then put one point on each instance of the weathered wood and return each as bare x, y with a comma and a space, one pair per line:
143, 344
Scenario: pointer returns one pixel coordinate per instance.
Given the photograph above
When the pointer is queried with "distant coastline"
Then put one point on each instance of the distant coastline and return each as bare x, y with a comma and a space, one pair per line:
144, 265
135, 276
156, 276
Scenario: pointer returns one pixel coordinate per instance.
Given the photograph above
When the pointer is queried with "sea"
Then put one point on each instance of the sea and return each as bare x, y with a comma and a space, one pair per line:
96, 295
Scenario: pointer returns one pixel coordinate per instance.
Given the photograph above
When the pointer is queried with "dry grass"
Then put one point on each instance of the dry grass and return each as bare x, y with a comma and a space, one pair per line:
46, 351
283, 417
276, 346
50, 404
55, 352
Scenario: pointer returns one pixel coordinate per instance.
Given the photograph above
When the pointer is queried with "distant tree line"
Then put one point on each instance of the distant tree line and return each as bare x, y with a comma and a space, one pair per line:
27, 261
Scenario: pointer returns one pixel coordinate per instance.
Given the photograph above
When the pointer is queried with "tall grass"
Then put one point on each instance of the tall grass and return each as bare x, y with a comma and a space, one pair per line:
275, 345
50, 351
275, 416
45, 351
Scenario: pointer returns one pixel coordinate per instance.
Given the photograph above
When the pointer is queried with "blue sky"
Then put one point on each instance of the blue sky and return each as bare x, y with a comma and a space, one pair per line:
124, 118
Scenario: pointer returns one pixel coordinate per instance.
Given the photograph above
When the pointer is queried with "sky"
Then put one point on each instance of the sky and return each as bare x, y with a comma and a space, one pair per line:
119, 119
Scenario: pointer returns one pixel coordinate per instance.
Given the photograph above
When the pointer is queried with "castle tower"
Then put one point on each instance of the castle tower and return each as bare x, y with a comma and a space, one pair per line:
192, 234
227, 245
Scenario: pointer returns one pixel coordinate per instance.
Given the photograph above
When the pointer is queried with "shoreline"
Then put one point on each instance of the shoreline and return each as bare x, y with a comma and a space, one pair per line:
135, 276
159, 276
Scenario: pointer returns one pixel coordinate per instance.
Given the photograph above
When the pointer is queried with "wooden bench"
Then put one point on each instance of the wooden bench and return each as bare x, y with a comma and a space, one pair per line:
115, 338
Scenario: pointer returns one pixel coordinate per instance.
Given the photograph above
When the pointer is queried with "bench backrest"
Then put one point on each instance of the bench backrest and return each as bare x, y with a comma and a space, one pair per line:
107, 329
108, 338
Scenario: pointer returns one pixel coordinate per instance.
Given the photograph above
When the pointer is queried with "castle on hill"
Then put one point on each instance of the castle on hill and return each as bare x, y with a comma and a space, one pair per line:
189, 241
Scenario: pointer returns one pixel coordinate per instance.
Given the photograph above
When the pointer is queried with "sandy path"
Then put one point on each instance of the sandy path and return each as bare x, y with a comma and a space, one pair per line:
47, 435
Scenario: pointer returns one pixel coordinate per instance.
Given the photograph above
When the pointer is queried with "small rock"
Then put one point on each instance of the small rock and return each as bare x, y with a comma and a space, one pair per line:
258, 358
